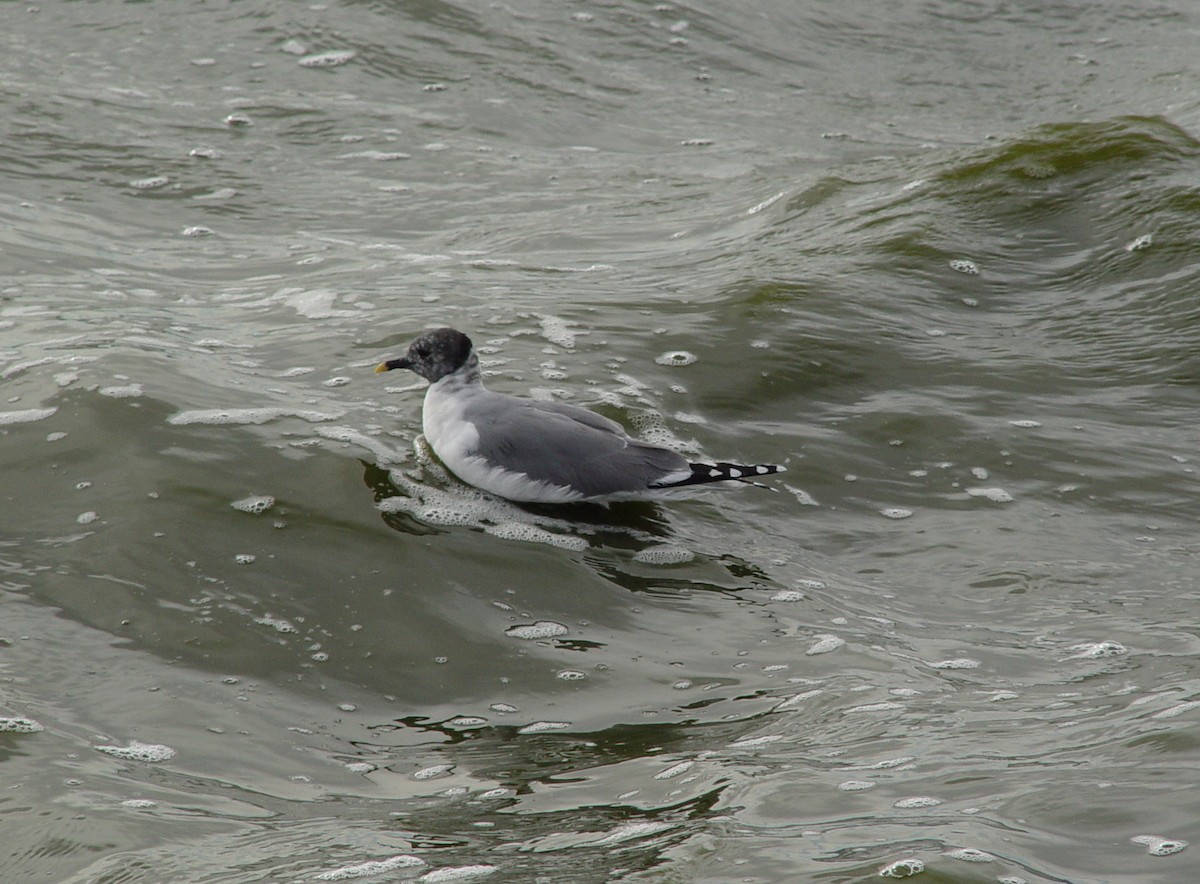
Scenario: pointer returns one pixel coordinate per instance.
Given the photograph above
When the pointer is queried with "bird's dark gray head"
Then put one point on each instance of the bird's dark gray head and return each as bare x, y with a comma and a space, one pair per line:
435, 354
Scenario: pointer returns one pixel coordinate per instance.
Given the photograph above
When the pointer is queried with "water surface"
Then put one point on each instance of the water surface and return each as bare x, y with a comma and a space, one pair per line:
937, 259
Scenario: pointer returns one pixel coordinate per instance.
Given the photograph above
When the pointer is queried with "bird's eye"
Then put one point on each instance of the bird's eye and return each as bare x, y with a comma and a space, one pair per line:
423, 352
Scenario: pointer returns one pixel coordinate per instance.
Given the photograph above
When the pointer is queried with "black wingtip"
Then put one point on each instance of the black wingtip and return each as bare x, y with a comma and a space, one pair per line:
721, 471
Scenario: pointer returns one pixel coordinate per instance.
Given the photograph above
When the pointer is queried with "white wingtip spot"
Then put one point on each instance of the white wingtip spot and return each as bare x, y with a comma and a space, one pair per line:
762, 471
735, 474
714, 473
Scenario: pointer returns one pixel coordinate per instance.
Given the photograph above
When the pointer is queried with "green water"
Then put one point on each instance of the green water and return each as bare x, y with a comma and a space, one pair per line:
939, 260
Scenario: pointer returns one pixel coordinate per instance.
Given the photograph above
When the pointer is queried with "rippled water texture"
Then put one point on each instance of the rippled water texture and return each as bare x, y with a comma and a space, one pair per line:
939, 259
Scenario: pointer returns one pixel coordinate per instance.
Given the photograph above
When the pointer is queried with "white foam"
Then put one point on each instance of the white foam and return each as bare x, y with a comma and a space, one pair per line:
996, 495
628, 832
150, 753
754, 742
788, 595
1096, 650
964, 266
25, 416
129, 391
276, 623
541, 727
1156, 845
958, 663
917, 801
886, 706
855, 786
676, 357
20, 725
256, 503
533, 534
556, 331
433, 772
796, 699
825, 644
372, 867
456, 873
665, 554
674, 770
971, 855
241, 416
895, 512
385, 455
902, 868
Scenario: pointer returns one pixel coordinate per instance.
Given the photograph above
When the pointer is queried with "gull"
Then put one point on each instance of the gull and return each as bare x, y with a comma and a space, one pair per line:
531, 451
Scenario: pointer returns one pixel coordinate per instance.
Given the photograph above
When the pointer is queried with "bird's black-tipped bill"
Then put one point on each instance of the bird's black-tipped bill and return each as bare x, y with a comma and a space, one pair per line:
402, 362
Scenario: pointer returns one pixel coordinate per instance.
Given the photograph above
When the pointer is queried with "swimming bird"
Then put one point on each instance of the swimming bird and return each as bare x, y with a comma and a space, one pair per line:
532, 451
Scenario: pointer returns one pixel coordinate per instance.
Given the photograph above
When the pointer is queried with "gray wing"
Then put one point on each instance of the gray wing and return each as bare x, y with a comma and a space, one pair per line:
567, 445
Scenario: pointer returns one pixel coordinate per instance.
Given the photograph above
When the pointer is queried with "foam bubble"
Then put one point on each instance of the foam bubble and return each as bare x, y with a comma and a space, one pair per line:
917, 801
20, 725
788, 595
971, 855
902, 868
456, 873
825, 644
1096, 650
128, 391
855, 786
256, 503
1177, 709
676, 357
1025, 424
886, 706
996, 495
534, 534
570, 675
895, 512
150, 753
796, 699
958, 663
87, 518
541, 727
327, 59
665, 554
139, 803
276, 623
152, 183
541, 629
964, 266
466, 721
25, 416
674, 770
433, 772
1142, 242
1156, 845
239, 416
754, 742
556, 331
372, 867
